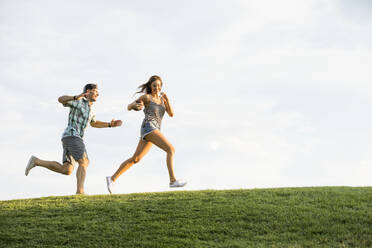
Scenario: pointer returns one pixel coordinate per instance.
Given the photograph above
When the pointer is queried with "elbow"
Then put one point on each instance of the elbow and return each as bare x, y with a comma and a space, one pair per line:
62, 99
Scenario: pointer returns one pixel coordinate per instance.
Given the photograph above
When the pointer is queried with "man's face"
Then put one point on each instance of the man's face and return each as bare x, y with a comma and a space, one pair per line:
92, 95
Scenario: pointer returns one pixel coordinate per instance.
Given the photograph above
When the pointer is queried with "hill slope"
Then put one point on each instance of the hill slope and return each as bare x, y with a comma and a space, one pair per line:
291, 217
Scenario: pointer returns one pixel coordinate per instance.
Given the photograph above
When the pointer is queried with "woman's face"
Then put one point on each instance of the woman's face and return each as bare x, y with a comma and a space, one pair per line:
156, 87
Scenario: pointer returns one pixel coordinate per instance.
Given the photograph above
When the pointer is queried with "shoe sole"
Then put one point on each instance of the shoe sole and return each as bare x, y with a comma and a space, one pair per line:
30, 165
178, 186
108, 183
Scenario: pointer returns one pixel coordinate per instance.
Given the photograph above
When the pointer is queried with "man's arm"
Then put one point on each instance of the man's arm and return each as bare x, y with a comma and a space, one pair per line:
65, 99
101, 124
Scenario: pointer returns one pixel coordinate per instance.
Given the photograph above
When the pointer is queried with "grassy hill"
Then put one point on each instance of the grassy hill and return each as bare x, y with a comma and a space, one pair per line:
287, 217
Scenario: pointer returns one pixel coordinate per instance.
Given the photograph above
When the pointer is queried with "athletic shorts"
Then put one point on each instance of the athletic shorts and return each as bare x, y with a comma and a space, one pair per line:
146, 128
73, 149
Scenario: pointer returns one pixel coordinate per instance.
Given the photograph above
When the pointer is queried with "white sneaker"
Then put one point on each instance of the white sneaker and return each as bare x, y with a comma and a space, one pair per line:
177, 183
30, 165
110, 184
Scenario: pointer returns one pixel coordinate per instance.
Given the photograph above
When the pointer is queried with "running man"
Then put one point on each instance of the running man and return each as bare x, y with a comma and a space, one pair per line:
81, 113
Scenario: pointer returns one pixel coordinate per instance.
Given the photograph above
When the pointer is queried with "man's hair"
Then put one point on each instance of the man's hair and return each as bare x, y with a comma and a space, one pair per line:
89, 87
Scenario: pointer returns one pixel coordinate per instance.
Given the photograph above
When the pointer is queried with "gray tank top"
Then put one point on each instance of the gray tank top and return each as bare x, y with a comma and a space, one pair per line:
154, 113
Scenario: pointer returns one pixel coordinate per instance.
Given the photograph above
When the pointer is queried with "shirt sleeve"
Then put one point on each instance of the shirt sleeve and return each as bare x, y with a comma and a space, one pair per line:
93, 119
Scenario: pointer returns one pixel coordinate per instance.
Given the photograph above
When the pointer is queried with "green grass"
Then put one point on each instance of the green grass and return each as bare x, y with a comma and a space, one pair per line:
287, 217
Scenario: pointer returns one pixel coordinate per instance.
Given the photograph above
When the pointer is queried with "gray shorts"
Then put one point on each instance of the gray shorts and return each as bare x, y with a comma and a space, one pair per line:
73, 149
146, 128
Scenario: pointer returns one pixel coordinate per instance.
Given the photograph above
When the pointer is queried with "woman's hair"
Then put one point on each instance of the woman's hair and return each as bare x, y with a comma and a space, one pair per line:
146, 87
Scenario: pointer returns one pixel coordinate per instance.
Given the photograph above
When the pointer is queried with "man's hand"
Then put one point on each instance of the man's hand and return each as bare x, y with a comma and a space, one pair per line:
78, 97
115, 123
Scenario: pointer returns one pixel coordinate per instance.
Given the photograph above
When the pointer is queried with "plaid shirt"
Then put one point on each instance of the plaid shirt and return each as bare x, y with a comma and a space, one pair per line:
80, 115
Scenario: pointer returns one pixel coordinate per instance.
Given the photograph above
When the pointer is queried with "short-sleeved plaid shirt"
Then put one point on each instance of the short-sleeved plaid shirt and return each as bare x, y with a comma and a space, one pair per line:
80, 115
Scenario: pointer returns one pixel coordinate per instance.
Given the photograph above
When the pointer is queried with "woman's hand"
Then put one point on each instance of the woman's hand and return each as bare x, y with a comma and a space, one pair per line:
136, 105
168, 107
164, 97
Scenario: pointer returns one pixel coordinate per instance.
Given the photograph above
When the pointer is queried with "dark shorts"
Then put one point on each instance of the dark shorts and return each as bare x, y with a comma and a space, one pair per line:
73, 149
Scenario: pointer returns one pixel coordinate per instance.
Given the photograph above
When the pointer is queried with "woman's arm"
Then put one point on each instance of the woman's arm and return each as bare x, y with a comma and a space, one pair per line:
139, 103
168, 107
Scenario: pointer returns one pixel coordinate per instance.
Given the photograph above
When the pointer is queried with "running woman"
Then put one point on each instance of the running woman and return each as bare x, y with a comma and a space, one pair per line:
156, 103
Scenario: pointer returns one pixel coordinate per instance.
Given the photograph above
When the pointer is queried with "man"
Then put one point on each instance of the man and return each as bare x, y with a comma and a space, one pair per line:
81, 113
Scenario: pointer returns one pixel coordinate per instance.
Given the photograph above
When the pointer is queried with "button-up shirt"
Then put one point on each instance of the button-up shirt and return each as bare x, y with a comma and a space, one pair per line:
80, 115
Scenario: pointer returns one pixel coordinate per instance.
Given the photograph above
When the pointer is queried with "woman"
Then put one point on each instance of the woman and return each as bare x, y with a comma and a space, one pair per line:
156, 104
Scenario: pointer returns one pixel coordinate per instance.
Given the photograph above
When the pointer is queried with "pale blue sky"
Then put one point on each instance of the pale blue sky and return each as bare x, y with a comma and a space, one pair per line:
266, 93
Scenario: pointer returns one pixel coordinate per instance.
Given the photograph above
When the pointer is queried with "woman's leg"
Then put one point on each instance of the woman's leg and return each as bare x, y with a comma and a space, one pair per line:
158, 139
142, 148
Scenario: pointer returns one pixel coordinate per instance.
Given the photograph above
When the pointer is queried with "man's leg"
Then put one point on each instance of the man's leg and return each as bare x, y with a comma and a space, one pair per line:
81, 173
65, 169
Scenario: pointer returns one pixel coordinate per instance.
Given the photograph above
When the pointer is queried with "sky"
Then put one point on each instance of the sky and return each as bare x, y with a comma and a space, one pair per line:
266, 94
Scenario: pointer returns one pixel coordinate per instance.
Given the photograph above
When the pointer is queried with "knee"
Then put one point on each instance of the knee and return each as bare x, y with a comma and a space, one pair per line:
68, 169
136, 159
171, 150
84, 163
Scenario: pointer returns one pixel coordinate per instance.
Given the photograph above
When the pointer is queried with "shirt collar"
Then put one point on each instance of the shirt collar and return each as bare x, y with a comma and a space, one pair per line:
86, 101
